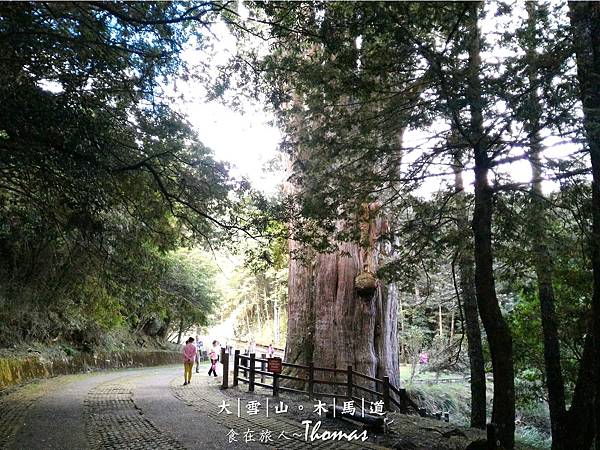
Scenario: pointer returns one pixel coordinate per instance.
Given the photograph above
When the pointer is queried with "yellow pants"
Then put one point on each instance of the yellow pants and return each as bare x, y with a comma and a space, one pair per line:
187, 371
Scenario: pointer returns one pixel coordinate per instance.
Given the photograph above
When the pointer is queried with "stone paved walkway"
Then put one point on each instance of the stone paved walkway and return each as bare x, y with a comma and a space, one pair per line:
13, 408
113, 420
143, 409
267, 430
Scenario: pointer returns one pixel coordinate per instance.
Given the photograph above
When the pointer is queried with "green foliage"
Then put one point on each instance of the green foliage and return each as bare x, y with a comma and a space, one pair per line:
255, 293
451, 397
347, 79
188, 290
414, 340
571, 281
532, 437
532, 430
100, 178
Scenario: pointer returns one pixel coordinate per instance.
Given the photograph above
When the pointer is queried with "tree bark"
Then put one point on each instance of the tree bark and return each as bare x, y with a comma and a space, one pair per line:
580, 428
329, 324
401, 312
543, 261
585, 25
469, 302
440, 321
180, 331
498, 334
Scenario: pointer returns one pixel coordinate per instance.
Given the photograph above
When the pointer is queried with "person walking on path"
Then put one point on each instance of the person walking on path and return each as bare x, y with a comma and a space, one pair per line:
189, 356
198, 353
270, 351
214, 357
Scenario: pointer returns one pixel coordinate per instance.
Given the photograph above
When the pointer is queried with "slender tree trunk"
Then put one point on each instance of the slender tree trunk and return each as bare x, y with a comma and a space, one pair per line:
497, 331
180, 331
440, 321
402, 347
469, 302
543, 262
258, 308
265, 302
387, 297
275, 318
543, 269
585, 24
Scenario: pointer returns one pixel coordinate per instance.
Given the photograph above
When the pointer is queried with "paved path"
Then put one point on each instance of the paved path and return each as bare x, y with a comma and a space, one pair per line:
142, 409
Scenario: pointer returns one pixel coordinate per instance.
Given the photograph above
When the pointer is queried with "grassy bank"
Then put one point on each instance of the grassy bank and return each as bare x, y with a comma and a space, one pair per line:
427, 388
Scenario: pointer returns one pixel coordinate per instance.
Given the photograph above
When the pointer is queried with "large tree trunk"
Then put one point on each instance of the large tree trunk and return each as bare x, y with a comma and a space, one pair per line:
585, 23
329, 324
469, 302
541, 255
301, 315
498, 333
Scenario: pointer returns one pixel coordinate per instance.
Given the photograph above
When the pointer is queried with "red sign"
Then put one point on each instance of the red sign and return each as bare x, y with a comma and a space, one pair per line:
274, 365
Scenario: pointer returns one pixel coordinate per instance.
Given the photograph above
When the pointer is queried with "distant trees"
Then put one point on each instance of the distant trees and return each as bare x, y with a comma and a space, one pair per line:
255, 296
188, 292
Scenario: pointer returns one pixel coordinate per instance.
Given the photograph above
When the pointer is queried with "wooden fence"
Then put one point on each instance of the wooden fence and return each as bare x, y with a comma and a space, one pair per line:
251, 366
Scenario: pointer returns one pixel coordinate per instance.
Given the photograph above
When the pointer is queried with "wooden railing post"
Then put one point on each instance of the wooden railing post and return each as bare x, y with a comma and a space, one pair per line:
252, 372
350, 383
386, 393
311, 380
275, 385
263, 367
490, 429
225, 362
236, 367
403, 405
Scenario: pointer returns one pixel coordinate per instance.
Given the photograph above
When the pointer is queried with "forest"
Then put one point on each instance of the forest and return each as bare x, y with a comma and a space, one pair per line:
442, 193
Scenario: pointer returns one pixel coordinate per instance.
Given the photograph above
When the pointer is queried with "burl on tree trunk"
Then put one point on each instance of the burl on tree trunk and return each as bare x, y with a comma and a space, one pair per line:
329, 323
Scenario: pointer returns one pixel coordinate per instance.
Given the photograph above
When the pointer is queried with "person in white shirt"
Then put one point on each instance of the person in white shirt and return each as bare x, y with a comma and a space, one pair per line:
199, 349
214, 357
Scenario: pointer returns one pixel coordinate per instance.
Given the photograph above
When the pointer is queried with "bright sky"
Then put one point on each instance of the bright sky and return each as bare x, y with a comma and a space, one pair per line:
248, 142
245, 140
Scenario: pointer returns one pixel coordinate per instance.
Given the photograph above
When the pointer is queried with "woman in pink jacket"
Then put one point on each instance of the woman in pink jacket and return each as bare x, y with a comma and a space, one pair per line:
189, 356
